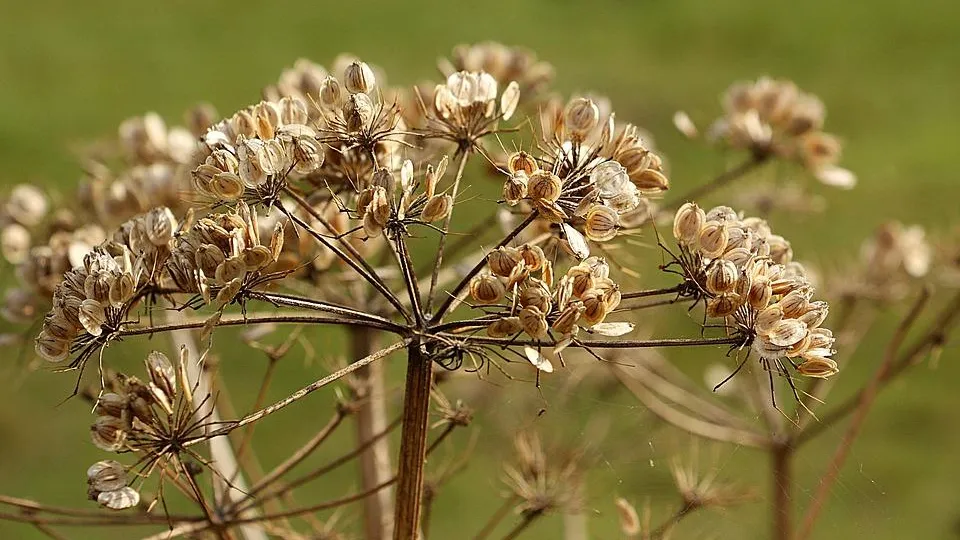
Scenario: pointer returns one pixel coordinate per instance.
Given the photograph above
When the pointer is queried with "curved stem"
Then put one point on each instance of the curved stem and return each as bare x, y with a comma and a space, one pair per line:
718, 182
438, 262
243, 321
448, 303
290, 300
584, 343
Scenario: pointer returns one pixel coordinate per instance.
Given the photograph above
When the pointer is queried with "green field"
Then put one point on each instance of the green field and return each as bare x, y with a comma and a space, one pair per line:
887, 72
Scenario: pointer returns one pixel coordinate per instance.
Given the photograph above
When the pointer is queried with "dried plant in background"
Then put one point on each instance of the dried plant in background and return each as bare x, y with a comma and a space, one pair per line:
331, 203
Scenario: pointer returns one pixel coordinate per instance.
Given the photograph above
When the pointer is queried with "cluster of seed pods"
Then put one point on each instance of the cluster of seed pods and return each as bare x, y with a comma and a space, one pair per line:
745, 273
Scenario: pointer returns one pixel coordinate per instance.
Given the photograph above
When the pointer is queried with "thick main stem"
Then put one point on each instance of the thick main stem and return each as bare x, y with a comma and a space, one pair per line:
413, 444
371, 418
781, 454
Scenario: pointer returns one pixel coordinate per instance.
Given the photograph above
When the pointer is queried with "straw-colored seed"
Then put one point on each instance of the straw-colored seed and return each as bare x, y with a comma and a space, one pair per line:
687, 223
505, 327
601, 223
787, 332
721, 277
502, 260
712, 239
544, 186
486, 288
533, 322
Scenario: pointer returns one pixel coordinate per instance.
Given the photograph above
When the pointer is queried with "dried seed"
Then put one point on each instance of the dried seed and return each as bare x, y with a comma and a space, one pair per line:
687, 223
601, 223
486, 288
787, 332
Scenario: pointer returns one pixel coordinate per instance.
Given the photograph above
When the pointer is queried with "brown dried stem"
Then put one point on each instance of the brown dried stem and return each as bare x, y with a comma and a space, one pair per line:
718, 182
413, 443
867, 397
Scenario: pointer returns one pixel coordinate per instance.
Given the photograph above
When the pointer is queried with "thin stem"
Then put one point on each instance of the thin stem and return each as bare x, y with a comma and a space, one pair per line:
317, 305
359, 267
413, 444
665, 527
781, 456
867, 398
303, 392
409, 278
718, 182
243, 321
933, 338
438, 262
448, 303
593, 344
528, 519
496, 518
651, 292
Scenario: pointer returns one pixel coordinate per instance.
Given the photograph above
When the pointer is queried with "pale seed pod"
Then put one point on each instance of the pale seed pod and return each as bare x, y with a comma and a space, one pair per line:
767, 350
738, 256
780, 250
364, 200
760, 293
509, 100
503, 260
601, 223
544, 186
108, 433
594, 308
536, 295
107, 475
767, 318
816, 313
229, 186
650, 180
581, 116
519, 274
721, 277
787, 332
799, 347
97, 287
566, 322
111, 404
231, 268
820, 368
723, 305
92, 316
821, 338
227, 293
27, 205
795, 303
161, 373
266, 116
630, 524
272, 158
550, 211
522, 162
533, 256
357, 112
546, 275
385, 179
358, 78
15, 243
582, 280
331, 94
712, 240
612, 297
257, 257
722, 213
380, 206
243, 123
744, 284
50, 348
486, 288
515, 188
504, 327
598, 267
437, 208
160, 226
121, 499
370, 226
293, 111
533, 322
687, 223
611, 179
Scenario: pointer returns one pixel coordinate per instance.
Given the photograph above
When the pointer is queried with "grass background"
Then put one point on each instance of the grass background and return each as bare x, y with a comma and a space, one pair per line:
70, 72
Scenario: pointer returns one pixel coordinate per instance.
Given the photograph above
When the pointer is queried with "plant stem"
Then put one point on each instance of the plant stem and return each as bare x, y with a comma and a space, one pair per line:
718, 182
650, 292
448, 303
371, 418
496, 518
221, 451
464, 156
781, 454
413, 444
867, 398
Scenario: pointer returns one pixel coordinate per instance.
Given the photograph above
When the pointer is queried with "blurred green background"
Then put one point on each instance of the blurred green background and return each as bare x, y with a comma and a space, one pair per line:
886, 70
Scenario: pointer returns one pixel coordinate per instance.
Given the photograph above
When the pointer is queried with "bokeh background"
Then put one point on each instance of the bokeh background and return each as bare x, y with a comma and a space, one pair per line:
887, 71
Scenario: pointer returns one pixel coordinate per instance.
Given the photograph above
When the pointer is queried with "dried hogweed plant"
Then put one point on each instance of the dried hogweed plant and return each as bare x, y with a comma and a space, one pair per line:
331, 203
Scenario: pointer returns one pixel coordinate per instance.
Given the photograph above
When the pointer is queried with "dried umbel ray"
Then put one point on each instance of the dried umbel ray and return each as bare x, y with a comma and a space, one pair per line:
308, 201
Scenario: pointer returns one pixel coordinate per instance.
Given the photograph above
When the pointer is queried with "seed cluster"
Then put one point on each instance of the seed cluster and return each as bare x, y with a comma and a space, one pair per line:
583, 296
773, 117
746, 274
